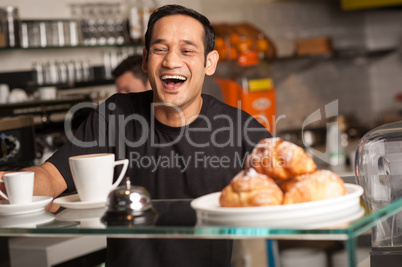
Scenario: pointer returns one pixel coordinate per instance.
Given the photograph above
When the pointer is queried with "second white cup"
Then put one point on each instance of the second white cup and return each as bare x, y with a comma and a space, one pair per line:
93, 175
19, 187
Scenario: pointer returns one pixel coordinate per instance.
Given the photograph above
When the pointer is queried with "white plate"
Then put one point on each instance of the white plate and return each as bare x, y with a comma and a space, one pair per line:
302, 215
26, 220
322, 222
305, 223
38, 204
211, 204
74, 202
335, 211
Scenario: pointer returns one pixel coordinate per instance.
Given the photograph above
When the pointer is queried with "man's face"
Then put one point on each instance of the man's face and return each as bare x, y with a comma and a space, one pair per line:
128, 83
176, 62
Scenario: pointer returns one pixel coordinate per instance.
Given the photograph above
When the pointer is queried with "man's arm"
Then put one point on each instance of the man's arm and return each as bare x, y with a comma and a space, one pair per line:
48, 180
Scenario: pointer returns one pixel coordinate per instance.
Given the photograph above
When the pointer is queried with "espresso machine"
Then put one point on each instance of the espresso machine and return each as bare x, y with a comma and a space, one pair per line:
31, 131
17, 143
378, 170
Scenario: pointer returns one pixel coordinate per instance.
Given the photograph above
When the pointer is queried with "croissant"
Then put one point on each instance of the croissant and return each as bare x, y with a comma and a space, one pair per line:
281, 159
249, 188
319, 185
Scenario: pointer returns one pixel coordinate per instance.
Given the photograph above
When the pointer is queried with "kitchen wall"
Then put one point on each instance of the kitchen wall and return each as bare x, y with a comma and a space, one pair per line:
364, 86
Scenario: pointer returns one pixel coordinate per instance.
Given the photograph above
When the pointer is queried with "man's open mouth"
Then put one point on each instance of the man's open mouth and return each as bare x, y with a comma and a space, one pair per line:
173, 81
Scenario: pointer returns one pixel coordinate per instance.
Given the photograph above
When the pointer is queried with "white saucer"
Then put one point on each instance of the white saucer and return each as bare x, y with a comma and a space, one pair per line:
38, 203
74, 202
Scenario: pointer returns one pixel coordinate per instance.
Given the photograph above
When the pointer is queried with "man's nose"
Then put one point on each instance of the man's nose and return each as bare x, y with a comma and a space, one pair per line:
172, 60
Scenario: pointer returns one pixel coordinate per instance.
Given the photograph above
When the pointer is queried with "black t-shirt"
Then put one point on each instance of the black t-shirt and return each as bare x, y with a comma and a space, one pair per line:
170, 162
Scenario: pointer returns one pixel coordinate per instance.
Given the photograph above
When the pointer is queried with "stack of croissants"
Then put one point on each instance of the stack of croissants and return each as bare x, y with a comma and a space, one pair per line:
279, 172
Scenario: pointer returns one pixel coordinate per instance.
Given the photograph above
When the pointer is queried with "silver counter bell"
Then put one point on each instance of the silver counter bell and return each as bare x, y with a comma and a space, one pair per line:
129, 206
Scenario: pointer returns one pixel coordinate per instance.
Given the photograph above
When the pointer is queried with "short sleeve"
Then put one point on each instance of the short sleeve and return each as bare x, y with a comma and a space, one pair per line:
91, 137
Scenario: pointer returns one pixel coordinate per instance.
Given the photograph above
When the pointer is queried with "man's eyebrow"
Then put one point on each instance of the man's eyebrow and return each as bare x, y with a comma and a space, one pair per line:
158, 41
189, 42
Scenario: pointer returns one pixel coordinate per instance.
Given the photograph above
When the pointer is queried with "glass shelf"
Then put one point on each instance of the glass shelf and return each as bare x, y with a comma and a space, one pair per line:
178, 220
184, 225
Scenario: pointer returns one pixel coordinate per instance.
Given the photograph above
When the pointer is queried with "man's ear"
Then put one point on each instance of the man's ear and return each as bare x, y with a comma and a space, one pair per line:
144, 60
212, 62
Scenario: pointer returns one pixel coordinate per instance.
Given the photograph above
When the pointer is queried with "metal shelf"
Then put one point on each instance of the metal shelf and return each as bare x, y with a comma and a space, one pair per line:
69, 47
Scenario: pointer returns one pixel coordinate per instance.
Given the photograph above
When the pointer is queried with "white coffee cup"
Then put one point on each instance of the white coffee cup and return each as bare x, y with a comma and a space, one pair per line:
4, 93
19, 187
93, 175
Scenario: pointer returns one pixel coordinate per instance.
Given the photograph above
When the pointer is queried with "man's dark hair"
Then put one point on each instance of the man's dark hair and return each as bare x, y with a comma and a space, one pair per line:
209, 35
132, 64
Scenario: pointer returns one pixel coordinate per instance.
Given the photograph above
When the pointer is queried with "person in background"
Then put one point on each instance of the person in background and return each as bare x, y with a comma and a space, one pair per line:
129, 76
204, 141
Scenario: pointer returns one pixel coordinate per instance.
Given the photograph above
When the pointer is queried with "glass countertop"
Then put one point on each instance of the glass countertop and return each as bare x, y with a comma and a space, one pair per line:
175, 219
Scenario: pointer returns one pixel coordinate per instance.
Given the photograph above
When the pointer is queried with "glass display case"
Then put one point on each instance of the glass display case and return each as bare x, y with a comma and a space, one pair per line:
379, 172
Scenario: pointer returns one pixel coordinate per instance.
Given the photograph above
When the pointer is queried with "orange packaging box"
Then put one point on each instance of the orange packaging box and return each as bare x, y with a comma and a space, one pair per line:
259, 101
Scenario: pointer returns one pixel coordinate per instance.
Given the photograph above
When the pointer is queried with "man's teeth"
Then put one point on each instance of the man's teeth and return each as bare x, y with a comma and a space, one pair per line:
176, 77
